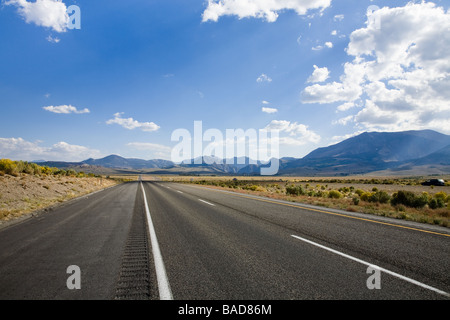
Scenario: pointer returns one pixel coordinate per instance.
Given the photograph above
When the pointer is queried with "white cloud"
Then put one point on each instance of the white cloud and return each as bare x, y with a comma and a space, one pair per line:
319, 74
346, 106
400, 73
45, 13
262, 9
339, 17
53, 40
269, 110
131, 124
65, 109
265, 102
345, 120
294, 129
264, 78
20, 149
325, 45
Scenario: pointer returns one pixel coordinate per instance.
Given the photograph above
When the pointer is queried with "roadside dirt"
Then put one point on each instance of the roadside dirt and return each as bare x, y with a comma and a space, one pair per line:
25, 193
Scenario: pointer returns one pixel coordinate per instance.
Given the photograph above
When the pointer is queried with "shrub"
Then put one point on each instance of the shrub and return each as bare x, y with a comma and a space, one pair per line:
359, 192
344, 190
295, 190
380, 196
335, 194
409, 199
441, 195
436, 203
365, 196
9, 167
355, 201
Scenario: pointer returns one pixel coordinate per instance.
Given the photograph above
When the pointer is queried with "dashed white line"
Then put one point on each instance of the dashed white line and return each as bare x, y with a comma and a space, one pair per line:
207, 202
179, 191
165, 293
420, 284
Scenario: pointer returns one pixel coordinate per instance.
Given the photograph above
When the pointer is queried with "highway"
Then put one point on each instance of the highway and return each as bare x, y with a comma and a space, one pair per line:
162, 240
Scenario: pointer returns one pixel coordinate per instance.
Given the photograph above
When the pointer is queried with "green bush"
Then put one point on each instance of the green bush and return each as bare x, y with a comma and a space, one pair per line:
365, 196
409, 199
295, 190
436, 203
380, 196
441, 195
334, 194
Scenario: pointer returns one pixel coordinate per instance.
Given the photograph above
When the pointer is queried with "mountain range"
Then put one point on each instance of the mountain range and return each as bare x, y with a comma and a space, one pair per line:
423, 151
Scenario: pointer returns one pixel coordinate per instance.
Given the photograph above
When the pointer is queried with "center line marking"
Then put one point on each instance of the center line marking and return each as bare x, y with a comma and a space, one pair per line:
417, 283
207, 202
163, 282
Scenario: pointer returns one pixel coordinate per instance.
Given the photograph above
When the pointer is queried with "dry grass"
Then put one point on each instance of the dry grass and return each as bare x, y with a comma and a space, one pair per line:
24, 193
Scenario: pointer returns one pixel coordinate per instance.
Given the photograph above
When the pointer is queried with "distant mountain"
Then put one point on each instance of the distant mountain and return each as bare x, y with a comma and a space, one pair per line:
367, 152
385, 146
118, 162
224, 166
440, 157
385, 152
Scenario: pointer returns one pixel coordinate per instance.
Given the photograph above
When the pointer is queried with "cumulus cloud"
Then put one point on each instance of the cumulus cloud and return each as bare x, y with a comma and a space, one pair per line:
319, 74
348, 89
131, 124
300, 132
269, 110
44, 13
319, 47
65, 109
400, 73
20, 149
267, 10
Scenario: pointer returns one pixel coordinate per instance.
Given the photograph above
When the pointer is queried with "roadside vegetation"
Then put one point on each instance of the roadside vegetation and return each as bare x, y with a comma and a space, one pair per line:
15, 168
27, 187
401, 198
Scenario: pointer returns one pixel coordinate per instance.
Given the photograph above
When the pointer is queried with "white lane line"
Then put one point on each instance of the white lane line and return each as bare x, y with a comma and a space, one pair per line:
163, 282
207, 202
420, 284
179, 191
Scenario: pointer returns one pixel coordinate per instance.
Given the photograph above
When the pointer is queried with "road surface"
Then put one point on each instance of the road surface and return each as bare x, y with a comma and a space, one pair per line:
161, 240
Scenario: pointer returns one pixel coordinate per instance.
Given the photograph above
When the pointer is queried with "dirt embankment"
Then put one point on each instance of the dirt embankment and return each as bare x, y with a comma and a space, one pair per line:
23, 194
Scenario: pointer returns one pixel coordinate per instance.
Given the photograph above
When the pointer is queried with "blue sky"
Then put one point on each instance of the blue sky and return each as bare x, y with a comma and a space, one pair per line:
137, 70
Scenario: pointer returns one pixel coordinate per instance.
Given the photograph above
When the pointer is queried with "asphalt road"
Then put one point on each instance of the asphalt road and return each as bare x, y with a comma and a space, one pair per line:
196, 243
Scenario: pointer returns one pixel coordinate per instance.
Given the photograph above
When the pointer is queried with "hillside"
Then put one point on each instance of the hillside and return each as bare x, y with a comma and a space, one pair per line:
371, 151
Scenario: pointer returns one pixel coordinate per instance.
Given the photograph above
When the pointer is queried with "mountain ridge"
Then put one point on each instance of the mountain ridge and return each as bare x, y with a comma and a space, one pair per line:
361, 154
